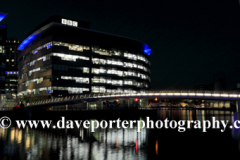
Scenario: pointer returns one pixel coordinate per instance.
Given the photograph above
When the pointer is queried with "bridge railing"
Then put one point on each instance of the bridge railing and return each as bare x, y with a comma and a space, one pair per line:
167, 93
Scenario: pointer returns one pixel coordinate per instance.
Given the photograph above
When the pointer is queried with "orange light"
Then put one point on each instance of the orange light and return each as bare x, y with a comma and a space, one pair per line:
117, 144
156, 147
156, 99
117, 100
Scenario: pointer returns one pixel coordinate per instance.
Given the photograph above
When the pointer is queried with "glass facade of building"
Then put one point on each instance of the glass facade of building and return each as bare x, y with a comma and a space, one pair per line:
64, 59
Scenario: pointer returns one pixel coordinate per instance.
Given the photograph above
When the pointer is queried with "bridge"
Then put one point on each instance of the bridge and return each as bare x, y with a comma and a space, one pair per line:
85, 98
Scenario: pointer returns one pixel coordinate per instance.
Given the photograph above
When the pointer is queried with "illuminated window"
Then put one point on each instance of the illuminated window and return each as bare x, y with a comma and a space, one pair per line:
85, 70
40, 80
98, 89
77, 79
101, 51
68, 57
34, 70
7, 60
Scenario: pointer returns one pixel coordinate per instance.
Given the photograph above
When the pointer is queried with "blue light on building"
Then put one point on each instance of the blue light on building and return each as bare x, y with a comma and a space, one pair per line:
26, 42
2, 16
146, 49
49, 46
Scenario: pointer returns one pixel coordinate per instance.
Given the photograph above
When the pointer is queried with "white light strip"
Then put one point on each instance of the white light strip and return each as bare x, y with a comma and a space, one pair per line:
224, 95
207, 94
177, 94
232, 95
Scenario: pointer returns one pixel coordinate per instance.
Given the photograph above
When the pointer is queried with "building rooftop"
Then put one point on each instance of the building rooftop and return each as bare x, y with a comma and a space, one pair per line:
56, 20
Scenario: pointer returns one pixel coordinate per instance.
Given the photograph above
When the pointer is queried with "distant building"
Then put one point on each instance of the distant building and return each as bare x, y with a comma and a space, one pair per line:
3, 37
64, 57
11, 72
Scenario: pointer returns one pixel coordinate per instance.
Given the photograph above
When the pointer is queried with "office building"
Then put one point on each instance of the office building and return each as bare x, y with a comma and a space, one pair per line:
64, 57
11, 72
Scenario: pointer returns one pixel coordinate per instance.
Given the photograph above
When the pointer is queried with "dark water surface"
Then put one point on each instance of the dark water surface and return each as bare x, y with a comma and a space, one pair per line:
119, 144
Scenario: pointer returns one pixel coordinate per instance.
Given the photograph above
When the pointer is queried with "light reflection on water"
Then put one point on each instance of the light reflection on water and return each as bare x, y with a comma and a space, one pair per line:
108, 144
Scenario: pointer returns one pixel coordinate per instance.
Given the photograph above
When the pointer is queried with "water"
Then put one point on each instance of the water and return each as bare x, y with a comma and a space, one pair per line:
118, 144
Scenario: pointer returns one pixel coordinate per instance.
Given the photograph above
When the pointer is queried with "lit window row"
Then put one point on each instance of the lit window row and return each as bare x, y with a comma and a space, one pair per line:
75, 90
65, 57
7, 60
11, 89
98, 89
13, 80
11, 72
68, 57
12, 41
47, 45
41, 69
102, 89
136, 57
118, 53
44, 58
119, 63
73, 47
38, 80
77, 79
71, 90
33, 70
106, 52
119, 73
118, 82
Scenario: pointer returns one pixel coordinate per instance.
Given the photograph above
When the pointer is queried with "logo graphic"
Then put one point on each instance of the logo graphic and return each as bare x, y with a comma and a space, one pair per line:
5, 122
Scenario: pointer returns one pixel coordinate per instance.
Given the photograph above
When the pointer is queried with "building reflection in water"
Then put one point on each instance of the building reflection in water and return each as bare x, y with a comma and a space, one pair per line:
77, 144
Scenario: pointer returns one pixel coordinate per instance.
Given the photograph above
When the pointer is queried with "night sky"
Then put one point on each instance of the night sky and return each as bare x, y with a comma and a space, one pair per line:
191, 40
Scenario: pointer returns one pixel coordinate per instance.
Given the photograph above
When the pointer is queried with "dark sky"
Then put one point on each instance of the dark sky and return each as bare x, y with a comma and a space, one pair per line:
191, 40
